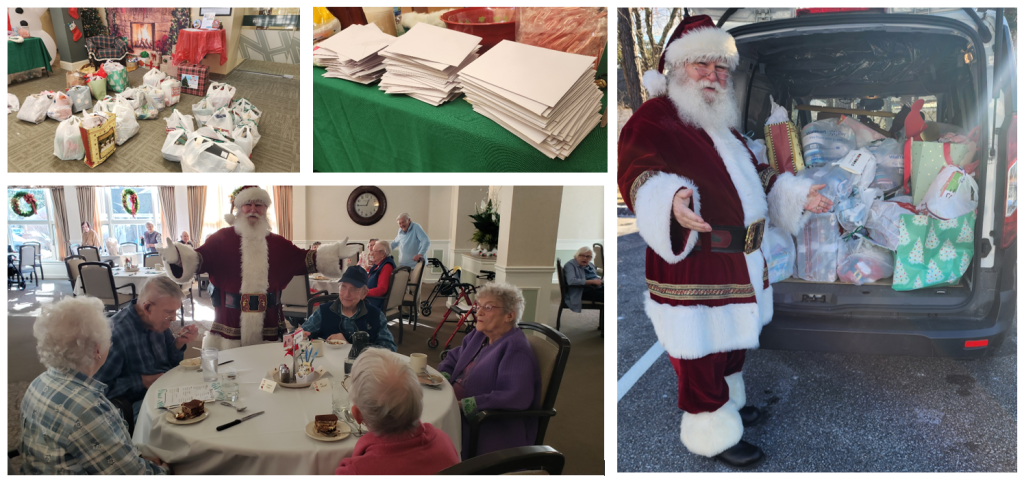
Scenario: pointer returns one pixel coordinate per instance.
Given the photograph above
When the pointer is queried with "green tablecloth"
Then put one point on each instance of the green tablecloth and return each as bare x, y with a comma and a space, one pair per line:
359, 128
27, 55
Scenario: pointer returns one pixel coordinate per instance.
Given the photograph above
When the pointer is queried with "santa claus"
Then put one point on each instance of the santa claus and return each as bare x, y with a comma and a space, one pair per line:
701, 203
249, 267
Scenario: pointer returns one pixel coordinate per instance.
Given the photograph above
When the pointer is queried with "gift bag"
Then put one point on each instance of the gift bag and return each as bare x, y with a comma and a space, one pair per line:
34, 108
12, 103
243, 109
861, 261
153, 78
202, 111
246, 135
953, 193
74, 79
174, 144
131, 95
60, 106
780, 253
180, 120
119, 108
148, 109
817, 247
98, 87
220, 95
883, 224
223, 122
781, 141
117, 76
156, 94
98, 131
933, 252
826, 141
133, 64
922, 162
208, 151
81, 98
67, 143
172, 91
193, 78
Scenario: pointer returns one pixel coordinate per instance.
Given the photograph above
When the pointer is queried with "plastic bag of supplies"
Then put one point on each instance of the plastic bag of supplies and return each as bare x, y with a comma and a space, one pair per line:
67, 142
817, 247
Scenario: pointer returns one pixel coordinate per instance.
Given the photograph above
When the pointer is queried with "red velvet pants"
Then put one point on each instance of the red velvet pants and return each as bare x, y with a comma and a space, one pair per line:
702, 386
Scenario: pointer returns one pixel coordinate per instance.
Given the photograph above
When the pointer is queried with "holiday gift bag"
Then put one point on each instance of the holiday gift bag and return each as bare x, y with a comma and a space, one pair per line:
933, 252
222, 122
13, 105
180, 120
208, 151
99, 137
74, 78
220, 94
922, 162
156, 94
174, 144
81, 98
246, 135
67, 143
148, 109
245, 110
34, 108
953, 193
153, 77
202, 111
172, 91
194, 78
782, 141
117, 76
817, 246
60, 106
98, 87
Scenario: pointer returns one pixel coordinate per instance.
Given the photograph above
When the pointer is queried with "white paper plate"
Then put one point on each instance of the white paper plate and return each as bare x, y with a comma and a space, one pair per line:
189, 367
432, 380
343, 432
170, 417
332, 345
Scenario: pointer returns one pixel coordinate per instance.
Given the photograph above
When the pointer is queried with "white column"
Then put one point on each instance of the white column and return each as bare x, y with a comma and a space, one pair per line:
465, 201
526, 244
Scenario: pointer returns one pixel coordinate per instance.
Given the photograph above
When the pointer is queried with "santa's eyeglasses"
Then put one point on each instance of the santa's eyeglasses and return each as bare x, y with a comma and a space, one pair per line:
704, 71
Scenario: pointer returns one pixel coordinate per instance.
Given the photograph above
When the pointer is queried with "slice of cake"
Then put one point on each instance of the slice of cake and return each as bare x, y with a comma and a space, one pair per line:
326, 424
191, 409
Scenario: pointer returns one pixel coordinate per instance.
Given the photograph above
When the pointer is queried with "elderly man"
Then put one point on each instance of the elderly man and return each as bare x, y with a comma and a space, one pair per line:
701, 201
349, 314
388, 399
144, 347
185, 239
411, 242
151, 238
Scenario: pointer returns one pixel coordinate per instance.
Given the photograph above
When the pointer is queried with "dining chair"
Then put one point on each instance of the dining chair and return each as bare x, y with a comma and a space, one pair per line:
98, 281
26, 266
412, 296
37, 261
151, 260
72, 262
294, 299
92, 254
395, 297
599, 259
129, 247
563, 287
530, 460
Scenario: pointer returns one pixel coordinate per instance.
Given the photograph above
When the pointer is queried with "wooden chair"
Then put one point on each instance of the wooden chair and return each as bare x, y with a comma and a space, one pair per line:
37, 261
599, 259
72, 262
98, 281
551, 348
532, 460
395, 297
587, 304
412, 296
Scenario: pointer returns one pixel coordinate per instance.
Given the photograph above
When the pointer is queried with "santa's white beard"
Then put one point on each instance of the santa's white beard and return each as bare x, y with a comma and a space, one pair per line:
717, 113
260, 229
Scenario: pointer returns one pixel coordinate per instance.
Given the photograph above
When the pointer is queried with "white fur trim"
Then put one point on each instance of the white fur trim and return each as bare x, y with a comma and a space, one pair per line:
765, 302
229, 218
189, 263
255, 280
691, 332
250, 194
786, 202
711, 433
704, 44
737, 391
219, 342
656, 83
741, 167
328, 258
653, 209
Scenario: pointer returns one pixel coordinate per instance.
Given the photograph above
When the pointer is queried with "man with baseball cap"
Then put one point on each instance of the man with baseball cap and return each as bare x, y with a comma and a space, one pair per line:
349, 314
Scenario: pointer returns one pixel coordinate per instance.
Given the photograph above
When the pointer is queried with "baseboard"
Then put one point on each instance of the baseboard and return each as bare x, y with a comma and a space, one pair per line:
73, 66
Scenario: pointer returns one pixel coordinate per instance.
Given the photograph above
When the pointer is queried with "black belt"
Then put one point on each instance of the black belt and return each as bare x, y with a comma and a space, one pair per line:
724, 239
246, 302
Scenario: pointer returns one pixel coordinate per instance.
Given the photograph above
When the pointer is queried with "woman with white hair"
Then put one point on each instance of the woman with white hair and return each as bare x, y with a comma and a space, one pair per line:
388, 399
151, 237
582, 280
67, 425
495, 368
379, 274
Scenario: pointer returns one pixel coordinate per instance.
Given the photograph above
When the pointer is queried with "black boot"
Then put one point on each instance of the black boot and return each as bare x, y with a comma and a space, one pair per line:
743, 456
751, 416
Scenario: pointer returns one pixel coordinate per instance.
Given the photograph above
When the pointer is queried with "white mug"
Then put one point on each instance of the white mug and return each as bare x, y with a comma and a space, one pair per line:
418, 362
318, 346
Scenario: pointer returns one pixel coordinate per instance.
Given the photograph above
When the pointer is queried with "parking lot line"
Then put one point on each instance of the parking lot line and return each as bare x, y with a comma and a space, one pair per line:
638, 369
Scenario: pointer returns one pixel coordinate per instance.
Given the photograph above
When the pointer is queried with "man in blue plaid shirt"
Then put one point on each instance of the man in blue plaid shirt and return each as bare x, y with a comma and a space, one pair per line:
143, 346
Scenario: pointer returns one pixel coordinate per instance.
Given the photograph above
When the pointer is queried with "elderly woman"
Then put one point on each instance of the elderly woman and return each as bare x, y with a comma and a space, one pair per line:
67, 425
151, 237
388, 399
495, 368
581, 277
380, 274
365, 258
89, 236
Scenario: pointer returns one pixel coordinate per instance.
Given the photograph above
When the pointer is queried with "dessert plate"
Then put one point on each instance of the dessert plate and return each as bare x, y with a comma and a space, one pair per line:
343, 431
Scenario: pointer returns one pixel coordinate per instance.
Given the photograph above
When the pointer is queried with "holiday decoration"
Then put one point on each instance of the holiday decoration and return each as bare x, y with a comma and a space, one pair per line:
932, 241
934, 274
947, 224
128, 196
16, 204
947, 252
966, 234
917, 253
180, 18
904, 236
917, 283
92, 25
921, 220
73, 12
486, 222
900, 277
76, 33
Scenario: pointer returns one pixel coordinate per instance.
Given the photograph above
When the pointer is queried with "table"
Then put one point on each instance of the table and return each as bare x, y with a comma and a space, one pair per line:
28, 55
194, 44
136, 258
122, 278
274, 443
358, 128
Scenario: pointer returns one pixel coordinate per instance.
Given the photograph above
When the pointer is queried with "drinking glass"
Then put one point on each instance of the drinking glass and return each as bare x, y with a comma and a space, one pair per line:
339, 397
209, 359
229, 383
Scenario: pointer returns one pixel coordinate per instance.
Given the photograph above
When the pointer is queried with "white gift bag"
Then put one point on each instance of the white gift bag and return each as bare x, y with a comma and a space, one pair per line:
202, 111
126, 126
148, 110
884, 223
223, 122
12, 103
67, 143
131, 95
953, 193
245, 110
246, 135
111, 66
174, 144
207, 151
156, 94
180, 120
220, 95
34, 108
172, 91
60, 106
153, 77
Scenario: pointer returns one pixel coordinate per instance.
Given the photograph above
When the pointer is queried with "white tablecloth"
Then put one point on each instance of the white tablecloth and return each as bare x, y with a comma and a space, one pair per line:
272, 443
136, 258
122, 278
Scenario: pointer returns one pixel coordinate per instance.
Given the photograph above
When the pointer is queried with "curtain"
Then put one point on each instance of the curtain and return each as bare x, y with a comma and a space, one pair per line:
283, 209
168, 213
60, 220
88, 209
196, 209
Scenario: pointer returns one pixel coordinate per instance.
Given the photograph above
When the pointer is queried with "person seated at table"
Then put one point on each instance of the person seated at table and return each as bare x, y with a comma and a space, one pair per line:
350, 313
366, 258
184, 239
89, 236
67, 425
151, 238
380, 274
144, 347
495, 368
582, 280
388, 399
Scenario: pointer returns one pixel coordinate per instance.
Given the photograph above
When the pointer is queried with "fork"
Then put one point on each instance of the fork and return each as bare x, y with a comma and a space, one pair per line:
168, 407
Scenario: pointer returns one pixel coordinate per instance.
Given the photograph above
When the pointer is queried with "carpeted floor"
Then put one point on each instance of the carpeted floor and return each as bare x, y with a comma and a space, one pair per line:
577, 431
30, 146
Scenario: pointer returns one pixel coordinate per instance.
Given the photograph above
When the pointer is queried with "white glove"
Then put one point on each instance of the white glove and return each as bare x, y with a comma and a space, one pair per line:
170, 253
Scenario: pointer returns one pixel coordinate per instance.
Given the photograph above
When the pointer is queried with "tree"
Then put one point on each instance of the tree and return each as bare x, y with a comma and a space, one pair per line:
92, 25
636, 33
631, 74
180, 18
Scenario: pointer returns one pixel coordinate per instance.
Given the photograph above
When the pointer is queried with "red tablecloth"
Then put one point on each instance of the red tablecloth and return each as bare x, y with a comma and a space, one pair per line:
193, 45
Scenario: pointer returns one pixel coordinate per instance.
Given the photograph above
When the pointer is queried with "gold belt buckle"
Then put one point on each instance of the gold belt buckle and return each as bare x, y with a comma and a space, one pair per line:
755, 232
247, 299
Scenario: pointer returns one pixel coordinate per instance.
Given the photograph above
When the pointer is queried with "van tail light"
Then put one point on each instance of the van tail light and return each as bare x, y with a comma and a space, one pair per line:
975, 343
801, 12
1010, 216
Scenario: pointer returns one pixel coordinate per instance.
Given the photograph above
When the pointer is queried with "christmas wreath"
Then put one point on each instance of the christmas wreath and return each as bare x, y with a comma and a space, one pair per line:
16, 203
128, 196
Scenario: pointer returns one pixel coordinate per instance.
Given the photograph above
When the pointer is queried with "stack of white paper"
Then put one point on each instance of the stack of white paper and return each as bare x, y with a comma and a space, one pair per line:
351, 54
545, 97
425, 62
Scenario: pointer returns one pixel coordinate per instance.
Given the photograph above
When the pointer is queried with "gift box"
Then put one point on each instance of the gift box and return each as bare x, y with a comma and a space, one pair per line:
783, 147
194, 78
99, 140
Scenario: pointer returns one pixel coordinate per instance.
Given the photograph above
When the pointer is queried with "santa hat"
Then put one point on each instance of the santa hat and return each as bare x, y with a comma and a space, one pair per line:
696, 39
243, 195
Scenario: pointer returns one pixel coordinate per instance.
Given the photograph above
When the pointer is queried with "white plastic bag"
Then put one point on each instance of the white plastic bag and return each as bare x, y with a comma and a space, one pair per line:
207, 151
67, 142
34, 108
131, 95
780, 253
174, 144
246, 135
817, 246
60, 106
12, 103
779, 114
180, 120
883, 223
156, 94
220, 95
852, 212
148, 109
243, 109
759, 149
839, 183
153, 77
111, 66
826, 141
172, 91
888, 152
202, 111
126, 126
863, 134
861, 261
953, 193
223, 122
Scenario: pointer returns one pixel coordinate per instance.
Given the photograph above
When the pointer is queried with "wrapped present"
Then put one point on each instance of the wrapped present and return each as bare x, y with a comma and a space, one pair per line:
74, 79
782, 142
194, 78
933, 252
99, 137
924, 160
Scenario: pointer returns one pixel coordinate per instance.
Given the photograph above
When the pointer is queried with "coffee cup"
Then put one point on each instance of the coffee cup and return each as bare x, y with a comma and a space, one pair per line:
318, 346
418, 362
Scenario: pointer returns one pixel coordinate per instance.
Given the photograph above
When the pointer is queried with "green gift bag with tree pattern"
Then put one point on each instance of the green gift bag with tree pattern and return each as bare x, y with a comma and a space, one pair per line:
933, 252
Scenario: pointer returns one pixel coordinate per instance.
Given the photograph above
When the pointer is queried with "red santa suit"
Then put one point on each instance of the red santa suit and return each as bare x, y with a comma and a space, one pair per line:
707, 307
249, 273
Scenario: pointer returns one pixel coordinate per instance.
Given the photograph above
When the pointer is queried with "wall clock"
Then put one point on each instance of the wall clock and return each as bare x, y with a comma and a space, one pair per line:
366, 205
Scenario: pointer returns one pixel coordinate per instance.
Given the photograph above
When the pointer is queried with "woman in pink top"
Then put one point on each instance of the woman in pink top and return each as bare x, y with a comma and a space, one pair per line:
388, 399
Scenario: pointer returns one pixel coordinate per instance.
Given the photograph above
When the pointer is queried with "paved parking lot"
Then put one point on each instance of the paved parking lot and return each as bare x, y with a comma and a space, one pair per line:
825, 412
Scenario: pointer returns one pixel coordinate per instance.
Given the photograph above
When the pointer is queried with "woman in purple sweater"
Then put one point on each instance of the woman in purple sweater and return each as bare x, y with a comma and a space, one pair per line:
495, 368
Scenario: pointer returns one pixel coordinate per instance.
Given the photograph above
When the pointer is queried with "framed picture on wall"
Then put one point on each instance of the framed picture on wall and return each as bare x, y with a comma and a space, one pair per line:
220, 12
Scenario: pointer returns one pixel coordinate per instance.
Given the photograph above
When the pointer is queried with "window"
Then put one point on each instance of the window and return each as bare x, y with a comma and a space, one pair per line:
120, 224
37, 228
217, 206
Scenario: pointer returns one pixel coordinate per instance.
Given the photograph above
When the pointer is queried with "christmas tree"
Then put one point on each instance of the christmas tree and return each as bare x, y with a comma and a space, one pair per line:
904, 234
966, 234
932, 241
947, 224
180, 18
954, 278
921, 220
92, 25
965, 261
916, 253
934, 274
917, 282
947, 252
900, 275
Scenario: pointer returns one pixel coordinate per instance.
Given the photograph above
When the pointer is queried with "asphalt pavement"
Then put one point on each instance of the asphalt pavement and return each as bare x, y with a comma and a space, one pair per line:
825, 412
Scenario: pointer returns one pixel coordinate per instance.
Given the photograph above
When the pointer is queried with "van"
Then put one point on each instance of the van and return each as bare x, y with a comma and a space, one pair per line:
961, 61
